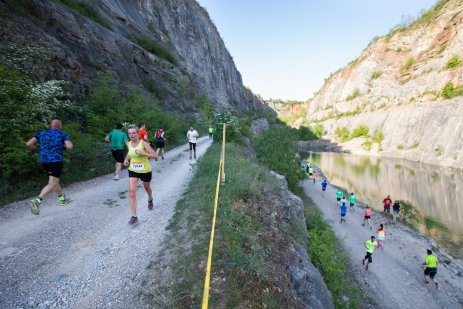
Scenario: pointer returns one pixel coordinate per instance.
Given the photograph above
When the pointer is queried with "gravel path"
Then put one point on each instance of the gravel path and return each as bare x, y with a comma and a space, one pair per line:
85, 255
395, 279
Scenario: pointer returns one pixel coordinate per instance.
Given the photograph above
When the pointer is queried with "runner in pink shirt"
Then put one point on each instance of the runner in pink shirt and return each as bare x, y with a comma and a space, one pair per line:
367, 216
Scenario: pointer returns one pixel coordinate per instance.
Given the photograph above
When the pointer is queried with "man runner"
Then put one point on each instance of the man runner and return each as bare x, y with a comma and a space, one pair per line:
387, 204
192, 136
343, 209
352, 201
431, 268
370, 246
52, 142
117, 139
160, 140
339, 196
211, 131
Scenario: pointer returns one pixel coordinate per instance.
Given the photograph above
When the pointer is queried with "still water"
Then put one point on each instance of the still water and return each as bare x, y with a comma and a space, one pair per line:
436, 192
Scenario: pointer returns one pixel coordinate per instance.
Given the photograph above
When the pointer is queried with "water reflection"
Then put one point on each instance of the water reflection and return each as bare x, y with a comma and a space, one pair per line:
432, 189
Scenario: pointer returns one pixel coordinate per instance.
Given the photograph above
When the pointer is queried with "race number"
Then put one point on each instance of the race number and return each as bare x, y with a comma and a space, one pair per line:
136, 166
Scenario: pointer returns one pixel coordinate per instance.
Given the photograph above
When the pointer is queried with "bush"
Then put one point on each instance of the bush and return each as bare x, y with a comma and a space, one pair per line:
354, 95
343, 134
360, 131
408, 64
152, 46
453, 62
375, 74
232, 130
378, 137
400, 147
85, 8
450, 91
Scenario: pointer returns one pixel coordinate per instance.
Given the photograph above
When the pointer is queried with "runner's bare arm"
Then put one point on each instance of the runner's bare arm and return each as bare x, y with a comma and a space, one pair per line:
126, 160
32, 143
69, 145
151, 153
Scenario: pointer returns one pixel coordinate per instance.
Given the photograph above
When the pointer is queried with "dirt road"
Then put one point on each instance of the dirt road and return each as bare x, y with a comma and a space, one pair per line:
395, 279
85, 255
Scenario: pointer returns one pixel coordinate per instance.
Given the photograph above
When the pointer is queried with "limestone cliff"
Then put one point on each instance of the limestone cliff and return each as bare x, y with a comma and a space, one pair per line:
170, 48
407, 86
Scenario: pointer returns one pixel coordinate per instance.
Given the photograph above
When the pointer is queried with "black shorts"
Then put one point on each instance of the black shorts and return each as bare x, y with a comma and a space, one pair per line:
431, 272
338, 199
145, 177
160, 144
118, 155
53, 168
343, 215
351, 204
193, 146
368, 256
367, 217
323, 189
310, 174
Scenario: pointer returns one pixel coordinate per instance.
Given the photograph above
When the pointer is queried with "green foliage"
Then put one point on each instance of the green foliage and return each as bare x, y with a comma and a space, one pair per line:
400, 147
367, 145
453, 62
275, 148
86, 8
343, 134
378, 136
152, 46
232, 130
202, 101
333, 263
415, 145
375, 74
360, 131
430, 14
439, 150
409, 213
20, 6
354, 95
408, 64
451, 91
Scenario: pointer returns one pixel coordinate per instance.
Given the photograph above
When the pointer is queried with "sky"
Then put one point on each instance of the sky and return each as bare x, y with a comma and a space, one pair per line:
284, 49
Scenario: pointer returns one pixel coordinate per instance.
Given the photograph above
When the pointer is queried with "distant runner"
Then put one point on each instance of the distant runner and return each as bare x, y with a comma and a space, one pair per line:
370, 248
143, 133
160, 140
52, 142
211, 132
139, 168
431, 268
367, 216
310, 170
395, 210
324, 185
387, 204
343, 209
117, 139
192, 136
339, 196
352, 201
343, 200
381, 236
314, 177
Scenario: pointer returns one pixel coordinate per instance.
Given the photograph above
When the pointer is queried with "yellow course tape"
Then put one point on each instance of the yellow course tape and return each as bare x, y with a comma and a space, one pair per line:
207, 280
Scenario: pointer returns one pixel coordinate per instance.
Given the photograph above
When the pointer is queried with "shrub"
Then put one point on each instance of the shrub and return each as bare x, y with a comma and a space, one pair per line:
415, 145
367, 145
232, 130
453, 62
450, 91
152, 46
354, 95
400, 147
408, 64
343, 134
85, 8
375, 74
378, 136
360, 131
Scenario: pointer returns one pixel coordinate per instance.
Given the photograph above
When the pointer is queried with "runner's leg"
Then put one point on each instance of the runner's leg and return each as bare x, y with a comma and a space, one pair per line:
149, 191
52, 182
133, 183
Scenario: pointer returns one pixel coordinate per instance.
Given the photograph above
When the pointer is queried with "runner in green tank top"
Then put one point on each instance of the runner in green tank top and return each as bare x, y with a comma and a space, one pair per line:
352, 201
139, 168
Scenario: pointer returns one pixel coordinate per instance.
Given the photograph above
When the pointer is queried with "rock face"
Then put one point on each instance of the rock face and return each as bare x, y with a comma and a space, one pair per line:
396, 87
258, 126
186, 58
306, 281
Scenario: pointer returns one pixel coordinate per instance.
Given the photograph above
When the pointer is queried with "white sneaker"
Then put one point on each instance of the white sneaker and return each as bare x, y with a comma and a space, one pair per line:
116, 176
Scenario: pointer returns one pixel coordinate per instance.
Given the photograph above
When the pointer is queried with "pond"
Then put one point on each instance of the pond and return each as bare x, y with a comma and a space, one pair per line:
435, 191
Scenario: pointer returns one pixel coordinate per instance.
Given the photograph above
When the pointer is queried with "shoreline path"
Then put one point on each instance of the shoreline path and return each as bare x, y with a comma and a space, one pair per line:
395, 278
85, 255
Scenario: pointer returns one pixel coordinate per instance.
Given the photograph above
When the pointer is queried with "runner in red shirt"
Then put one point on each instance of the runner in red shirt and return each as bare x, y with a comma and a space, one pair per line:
387, 204
142, 132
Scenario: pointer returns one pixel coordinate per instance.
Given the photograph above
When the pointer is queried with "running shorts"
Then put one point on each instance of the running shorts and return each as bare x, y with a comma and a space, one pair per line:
431, 272
388, 210
53, 168
193, 146
145, 177
338, 199
368, 256
367, 217
323, 189
343, 215
118, 155
352, 204
159, 143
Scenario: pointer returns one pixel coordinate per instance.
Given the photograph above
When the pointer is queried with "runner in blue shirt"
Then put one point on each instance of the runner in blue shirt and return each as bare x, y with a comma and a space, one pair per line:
343, 208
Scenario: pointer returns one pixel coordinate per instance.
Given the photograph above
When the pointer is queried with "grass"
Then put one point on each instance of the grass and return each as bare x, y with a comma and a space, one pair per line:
400, 147
332, 262
408, 64
453, 62
354, 95
414, 145
451, 91
85, 8
375, 74
152, 46
378, 136
360, 131
367, 145
248, 268
343, 134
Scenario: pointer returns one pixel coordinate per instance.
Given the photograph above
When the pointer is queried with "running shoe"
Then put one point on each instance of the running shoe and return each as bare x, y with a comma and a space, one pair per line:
162, 157
437, 285
150, 205
34, 204
133, 220
116, 176
64, 200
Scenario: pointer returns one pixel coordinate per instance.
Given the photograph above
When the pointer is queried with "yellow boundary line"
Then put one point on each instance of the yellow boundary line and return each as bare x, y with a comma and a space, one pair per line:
207, 280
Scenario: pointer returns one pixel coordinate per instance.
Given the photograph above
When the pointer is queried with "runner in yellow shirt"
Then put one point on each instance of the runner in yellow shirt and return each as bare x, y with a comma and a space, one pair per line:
370, 246
431, 268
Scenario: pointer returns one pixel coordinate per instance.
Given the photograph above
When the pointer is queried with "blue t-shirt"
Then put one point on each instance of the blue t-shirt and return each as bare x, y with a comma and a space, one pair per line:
343, 209
51, 143
324, 184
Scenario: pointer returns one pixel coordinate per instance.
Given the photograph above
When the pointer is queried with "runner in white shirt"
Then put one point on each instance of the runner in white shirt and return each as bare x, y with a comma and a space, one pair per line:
192, 136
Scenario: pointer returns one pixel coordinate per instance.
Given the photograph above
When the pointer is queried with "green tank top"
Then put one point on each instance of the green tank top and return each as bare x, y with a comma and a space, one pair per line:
138, 164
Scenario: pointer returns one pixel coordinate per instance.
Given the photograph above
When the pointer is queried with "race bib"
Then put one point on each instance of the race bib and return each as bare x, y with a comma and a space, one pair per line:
136, 166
